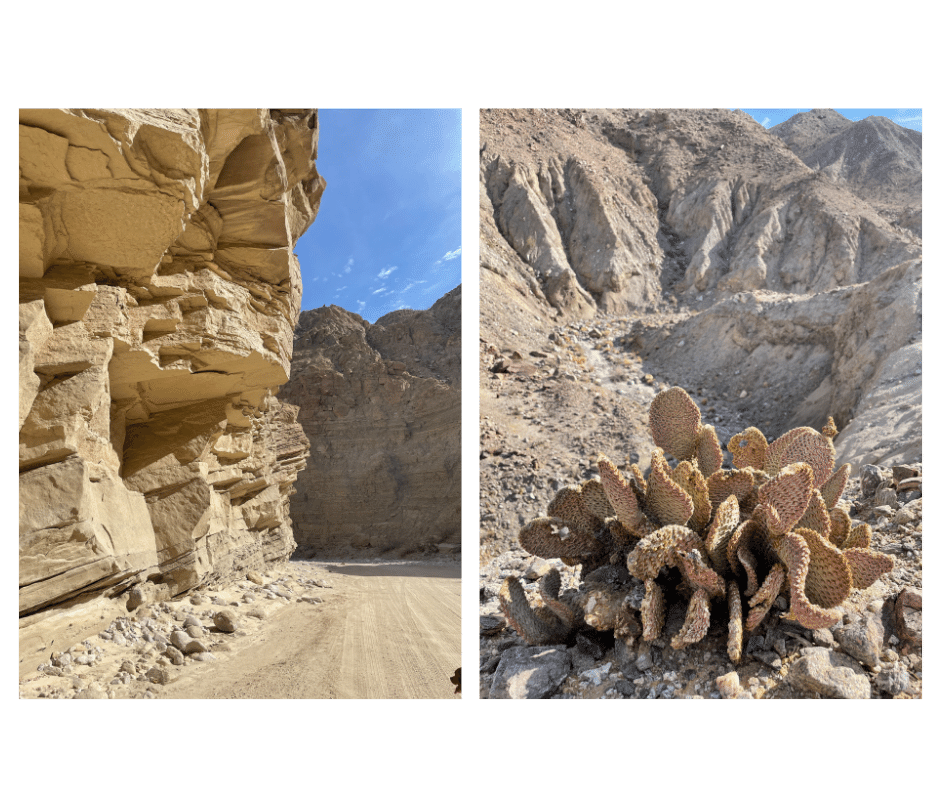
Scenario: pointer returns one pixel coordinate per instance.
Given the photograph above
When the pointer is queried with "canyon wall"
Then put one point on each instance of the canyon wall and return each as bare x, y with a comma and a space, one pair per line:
380, 404
158, 295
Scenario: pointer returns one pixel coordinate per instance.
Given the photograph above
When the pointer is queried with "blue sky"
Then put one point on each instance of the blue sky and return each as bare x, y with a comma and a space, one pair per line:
387, 235
908, 118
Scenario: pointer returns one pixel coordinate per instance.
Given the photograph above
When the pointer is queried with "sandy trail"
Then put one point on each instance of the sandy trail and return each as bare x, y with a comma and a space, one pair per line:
384, 631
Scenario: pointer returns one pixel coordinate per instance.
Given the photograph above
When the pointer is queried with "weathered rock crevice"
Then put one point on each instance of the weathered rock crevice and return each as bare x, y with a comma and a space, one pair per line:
158, 294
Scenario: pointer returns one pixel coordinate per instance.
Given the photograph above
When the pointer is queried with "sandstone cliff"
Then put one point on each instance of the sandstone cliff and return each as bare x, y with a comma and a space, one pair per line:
158, 293
791, 292
381, 405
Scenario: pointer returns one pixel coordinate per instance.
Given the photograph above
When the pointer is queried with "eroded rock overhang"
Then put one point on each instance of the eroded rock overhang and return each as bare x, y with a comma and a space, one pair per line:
158, 295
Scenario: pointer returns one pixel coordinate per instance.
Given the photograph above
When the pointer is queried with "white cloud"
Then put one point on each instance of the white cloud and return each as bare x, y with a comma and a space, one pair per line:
362, 305
765, 123
380, 290
450, 255
340, 289
348, 267
408, 286
384, 273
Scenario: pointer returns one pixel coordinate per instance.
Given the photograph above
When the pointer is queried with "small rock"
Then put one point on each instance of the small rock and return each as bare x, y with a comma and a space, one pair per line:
225, 621
174, 655
823, 637
136, 597
829, 674
908, 616
870, 477
536, 569
180, 639
255, 578
625, 688
893, 679
862, 639
597, 675
729, 685
902, 472
158, 675
198, 599
195, 632
530, 672
191, 621
203, 656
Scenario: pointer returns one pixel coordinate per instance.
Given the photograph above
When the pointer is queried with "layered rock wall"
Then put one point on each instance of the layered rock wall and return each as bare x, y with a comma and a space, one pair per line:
381, 405
158, 294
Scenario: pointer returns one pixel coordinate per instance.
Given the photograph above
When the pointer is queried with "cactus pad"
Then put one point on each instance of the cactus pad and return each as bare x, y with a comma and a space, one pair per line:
708, 450
658, 550
697, 618
675, 421
867, 565
748, 449
620, 494
550, 537
537, 626
666, 500
832, 489
735, 626
788, 493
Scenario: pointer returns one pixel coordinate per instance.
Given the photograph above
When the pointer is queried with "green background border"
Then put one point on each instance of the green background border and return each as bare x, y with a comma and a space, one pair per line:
471, 55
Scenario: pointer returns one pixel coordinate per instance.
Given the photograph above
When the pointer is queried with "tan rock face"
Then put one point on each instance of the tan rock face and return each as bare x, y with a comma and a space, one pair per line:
381, 406
158, 295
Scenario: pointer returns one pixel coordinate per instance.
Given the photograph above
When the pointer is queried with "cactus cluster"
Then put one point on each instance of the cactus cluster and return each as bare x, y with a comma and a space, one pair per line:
739, 536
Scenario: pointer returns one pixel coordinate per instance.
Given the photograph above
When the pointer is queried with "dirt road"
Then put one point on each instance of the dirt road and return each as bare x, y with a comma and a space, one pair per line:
383, 631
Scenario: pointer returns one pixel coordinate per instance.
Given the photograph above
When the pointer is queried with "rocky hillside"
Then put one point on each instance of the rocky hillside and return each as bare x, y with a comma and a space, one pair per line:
742, 274
158, 295
381, 405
